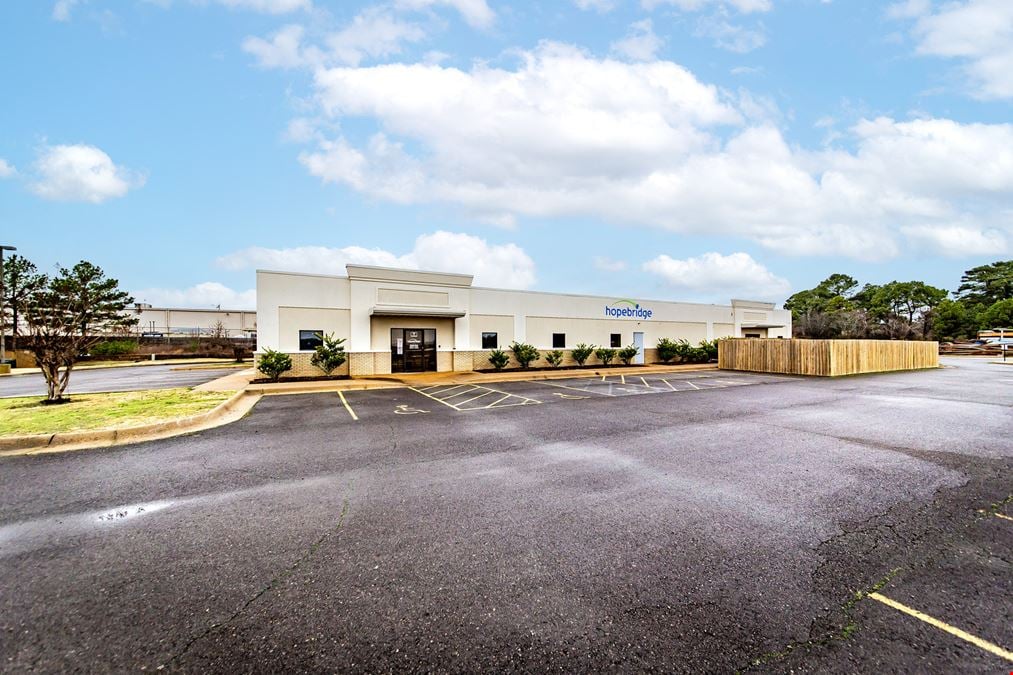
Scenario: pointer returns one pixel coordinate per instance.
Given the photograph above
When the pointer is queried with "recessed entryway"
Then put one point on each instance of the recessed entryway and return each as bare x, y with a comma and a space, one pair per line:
412, 350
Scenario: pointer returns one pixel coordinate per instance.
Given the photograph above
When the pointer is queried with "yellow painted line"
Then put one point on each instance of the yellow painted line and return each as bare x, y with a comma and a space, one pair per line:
348, 407
645, 382
623, 378
1002, 515
952, 630
603, 378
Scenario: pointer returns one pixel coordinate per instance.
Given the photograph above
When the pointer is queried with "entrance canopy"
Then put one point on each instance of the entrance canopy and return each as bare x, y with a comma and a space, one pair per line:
415, 312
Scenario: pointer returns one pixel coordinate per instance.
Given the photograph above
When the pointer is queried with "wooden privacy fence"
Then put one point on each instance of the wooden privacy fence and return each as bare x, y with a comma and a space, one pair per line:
828, 358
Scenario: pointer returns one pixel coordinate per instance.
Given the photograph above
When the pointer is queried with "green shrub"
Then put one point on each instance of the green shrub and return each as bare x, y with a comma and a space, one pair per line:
330, 354
498, 358
273, 363
114, 348
667, 350
627, 354
711, 349
605, 355
524, 353
555, 358
581, 353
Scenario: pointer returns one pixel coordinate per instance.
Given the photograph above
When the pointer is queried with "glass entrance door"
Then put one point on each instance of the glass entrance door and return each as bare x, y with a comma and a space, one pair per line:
412, 350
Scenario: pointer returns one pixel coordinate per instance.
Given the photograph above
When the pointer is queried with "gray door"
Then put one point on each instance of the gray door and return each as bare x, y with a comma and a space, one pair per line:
638, 342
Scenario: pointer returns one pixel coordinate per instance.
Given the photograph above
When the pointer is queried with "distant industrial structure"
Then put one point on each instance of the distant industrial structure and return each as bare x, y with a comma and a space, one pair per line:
179, 322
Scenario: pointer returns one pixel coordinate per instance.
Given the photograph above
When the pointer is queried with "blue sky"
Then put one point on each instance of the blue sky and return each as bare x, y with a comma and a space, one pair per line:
685, 149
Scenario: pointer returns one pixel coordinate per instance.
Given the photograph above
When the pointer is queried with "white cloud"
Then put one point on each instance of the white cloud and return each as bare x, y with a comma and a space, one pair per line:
6, 169
476, 13
268, 6
81, 173
609, 265
207, 295
63, 8
957, 240
374, 33
730, 36
283, 50
713, 275
601, 6
979, 32
744, 6
640, 43
494, 265
670, 152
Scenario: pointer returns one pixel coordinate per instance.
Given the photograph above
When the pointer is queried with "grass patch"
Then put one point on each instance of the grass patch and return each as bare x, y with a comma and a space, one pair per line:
25, 416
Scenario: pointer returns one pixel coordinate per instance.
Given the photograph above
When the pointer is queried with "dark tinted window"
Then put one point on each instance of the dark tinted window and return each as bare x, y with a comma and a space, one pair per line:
617, 340
559, 340
310, 340
490, 341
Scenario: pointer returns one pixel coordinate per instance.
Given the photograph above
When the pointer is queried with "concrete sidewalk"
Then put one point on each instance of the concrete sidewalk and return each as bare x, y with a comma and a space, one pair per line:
449, 378
184, 364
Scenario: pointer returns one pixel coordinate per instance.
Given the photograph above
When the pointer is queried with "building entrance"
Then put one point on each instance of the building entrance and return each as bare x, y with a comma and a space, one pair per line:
412, 350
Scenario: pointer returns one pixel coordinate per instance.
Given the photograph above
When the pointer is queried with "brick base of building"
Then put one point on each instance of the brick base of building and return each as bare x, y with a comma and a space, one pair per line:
360, 364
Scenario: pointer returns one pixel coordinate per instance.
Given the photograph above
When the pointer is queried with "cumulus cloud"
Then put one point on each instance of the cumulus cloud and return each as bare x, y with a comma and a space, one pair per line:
283, 49
727, 35
207, 295
956, 241
6, 169
714, 275
640, 43
81, 173
978, 32
494, 265
597, 5
670, 151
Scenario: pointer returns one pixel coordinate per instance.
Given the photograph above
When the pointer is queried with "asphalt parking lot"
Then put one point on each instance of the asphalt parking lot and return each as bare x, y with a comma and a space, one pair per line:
126, 378
705, 522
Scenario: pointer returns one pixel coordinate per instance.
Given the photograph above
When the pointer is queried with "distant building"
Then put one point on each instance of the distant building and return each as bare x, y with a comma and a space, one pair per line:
174, 322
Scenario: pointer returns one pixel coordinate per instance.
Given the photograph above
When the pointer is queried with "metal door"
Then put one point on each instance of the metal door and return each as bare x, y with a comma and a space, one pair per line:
638, 342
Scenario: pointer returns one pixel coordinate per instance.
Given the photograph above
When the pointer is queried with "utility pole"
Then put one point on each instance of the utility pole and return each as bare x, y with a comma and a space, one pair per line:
3, 331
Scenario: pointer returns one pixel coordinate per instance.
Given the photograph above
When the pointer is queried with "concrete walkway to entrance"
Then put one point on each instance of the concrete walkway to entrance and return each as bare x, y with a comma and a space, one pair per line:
466, 377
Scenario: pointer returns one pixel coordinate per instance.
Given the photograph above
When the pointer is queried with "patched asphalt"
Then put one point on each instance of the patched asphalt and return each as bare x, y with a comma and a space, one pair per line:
617, 526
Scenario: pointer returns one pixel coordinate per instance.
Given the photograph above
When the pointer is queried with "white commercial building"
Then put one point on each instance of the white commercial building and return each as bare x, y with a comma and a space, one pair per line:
397, 320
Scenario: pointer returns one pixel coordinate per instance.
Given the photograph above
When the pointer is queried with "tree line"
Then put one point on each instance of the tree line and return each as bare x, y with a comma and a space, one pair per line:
62, 315
904, 310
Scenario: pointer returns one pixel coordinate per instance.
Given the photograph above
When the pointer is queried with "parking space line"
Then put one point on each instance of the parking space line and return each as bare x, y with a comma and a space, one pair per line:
1002, 515
444, 391
669, 385
475, 398
952, 630
348, 407
583, 391
466, 392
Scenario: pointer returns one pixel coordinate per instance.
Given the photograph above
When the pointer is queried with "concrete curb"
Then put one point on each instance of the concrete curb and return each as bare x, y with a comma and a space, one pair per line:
452, 378
229, 410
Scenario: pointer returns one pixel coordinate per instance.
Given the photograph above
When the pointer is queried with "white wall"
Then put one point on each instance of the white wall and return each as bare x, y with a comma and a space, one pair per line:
292, 290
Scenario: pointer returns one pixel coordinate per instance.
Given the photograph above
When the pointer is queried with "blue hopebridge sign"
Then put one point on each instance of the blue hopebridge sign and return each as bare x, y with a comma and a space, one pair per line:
627, 309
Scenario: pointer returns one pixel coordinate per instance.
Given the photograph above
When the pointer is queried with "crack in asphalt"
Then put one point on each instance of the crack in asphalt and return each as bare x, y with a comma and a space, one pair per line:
273, 583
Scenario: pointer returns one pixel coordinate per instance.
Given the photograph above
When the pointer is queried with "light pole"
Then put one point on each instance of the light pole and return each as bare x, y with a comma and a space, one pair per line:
3, 331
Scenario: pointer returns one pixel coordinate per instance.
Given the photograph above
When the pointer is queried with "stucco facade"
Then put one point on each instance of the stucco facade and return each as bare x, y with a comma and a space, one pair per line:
389, 317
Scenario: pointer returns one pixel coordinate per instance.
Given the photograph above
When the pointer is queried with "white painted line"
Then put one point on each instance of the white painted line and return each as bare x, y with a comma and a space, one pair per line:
348, 407
438, 400
669, 385
466, 392
989, 647
458, 386
1002, 515
475, 398
563, 386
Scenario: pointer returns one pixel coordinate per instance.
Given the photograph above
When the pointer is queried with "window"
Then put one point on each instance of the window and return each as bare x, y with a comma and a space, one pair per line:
617, 339
310, 340
490, 341
559, 340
